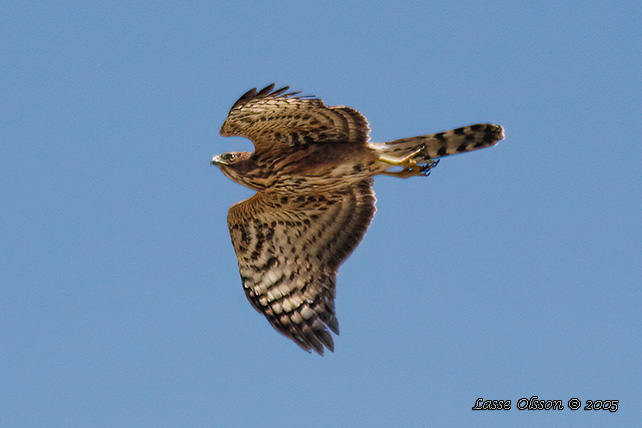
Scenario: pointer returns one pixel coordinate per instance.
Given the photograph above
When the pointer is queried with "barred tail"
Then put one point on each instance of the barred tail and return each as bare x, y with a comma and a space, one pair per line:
460, 140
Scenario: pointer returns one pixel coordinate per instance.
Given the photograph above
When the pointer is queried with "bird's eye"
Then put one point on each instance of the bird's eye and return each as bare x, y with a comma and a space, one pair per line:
230, 157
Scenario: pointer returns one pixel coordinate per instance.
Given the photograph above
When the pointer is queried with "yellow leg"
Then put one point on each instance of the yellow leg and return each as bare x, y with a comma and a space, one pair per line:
405, 162
404, 173
410, 166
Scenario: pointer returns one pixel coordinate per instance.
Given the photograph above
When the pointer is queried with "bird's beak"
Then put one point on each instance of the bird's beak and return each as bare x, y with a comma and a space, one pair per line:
216, 160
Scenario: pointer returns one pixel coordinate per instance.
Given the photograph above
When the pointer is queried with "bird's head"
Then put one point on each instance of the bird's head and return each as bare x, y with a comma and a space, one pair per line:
235, 165
230, 159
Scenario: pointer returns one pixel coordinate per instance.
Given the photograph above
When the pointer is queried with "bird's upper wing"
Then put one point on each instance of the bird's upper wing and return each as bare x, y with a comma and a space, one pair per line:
273, 117
289, 249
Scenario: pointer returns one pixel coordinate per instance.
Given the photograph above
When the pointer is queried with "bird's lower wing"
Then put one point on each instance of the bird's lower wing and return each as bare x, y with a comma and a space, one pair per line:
289, 249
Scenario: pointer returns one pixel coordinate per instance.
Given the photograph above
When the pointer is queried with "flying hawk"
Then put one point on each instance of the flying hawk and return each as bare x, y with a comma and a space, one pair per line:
312, 168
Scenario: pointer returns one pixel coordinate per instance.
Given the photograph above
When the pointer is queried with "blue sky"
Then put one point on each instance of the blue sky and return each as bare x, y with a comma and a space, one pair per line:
509, 272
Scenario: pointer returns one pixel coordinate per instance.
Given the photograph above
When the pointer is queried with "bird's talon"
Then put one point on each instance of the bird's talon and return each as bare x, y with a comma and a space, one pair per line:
425, 170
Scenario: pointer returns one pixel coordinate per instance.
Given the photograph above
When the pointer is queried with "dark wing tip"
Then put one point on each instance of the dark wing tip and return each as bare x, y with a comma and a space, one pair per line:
312, 335
318, 342
267, 92
244, 98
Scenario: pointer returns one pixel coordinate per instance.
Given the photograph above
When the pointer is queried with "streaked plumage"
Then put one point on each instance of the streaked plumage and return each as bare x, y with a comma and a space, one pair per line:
312, 168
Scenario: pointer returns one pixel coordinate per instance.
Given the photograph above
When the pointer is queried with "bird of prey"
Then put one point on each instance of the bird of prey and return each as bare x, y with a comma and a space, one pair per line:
313, 169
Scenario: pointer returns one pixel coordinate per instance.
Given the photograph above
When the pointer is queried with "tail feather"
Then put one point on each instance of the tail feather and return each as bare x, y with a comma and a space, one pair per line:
460, 140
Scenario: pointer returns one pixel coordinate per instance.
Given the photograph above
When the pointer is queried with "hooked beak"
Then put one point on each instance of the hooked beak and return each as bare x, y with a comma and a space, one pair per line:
216, 160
